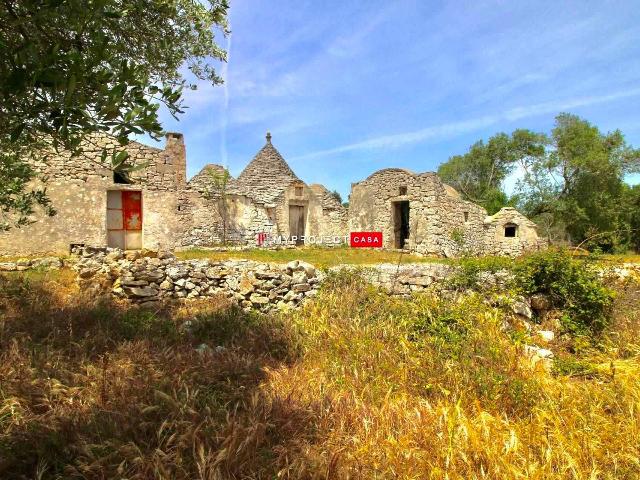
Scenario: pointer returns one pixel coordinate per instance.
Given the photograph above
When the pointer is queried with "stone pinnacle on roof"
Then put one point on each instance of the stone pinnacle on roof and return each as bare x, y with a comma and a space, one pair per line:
267, 175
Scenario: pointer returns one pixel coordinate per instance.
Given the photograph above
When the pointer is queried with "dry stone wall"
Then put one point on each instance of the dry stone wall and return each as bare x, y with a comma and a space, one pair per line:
148, 277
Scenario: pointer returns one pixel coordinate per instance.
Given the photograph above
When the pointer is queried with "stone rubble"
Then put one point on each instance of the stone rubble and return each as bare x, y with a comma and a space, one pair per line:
539, 356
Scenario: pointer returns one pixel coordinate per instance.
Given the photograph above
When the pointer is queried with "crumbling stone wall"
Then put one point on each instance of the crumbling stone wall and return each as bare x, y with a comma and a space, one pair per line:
147, 277
77, 187
202, 225
334, 220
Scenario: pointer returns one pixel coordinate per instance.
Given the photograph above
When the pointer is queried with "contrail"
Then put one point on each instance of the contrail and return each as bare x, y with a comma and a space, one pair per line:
225, 116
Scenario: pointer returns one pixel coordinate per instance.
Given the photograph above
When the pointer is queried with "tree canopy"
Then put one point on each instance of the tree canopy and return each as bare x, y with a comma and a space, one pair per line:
571, 181
479, 173
73, 68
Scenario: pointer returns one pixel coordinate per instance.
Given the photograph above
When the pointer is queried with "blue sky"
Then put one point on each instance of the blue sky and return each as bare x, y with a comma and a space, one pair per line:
347, 87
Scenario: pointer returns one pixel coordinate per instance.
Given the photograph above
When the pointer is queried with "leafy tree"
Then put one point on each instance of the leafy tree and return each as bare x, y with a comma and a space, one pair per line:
217, 190
337, 196
578, 183
479, 173
630, 230
70, 69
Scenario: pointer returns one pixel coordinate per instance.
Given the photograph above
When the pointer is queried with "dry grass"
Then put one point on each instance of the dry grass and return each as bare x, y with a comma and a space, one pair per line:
318, 256
355, 385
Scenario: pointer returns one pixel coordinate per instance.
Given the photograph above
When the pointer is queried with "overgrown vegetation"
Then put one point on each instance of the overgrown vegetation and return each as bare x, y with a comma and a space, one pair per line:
356, 384
572, 285
72, 69
571, 182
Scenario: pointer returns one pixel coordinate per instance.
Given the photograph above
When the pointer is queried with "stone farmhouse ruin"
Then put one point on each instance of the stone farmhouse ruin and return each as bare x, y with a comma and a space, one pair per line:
421, 213
156, 207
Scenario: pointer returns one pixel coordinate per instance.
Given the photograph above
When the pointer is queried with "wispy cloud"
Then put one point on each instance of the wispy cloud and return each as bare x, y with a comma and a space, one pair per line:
456, 128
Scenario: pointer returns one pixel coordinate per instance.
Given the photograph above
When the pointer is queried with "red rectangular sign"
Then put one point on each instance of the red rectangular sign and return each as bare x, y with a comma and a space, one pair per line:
261, 238
365, 239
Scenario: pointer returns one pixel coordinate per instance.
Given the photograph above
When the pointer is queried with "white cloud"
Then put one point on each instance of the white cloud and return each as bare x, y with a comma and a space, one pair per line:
457, 128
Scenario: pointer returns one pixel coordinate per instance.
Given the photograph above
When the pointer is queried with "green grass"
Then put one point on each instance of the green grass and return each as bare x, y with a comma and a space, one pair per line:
320, 257
42, 275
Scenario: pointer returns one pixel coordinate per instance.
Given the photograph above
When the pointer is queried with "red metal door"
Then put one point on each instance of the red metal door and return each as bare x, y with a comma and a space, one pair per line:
132, 210
124, 219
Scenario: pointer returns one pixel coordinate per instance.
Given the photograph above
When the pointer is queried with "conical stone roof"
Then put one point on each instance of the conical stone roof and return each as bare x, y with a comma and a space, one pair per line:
267, 176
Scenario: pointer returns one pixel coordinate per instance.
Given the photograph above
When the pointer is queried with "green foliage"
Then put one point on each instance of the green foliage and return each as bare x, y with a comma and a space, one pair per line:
144, 323
573, 367
70, 69
479, 173
629, 231
572, 182
578, 184
572, 286
458, 237
216, 190
17, 199
336, 194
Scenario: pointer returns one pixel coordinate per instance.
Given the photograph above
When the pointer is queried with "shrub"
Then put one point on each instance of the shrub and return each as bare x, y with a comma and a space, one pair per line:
572, 286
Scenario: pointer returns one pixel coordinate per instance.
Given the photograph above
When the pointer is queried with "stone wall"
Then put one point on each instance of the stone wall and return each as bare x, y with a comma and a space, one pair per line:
148, 277
334, 222
201, 220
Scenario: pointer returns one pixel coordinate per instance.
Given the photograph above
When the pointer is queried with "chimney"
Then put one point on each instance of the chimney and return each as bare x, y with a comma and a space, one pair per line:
177, 155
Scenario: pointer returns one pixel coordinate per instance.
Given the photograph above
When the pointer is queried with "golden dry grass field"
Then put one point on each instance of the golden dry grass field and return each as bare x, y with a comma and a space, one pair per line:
355, 385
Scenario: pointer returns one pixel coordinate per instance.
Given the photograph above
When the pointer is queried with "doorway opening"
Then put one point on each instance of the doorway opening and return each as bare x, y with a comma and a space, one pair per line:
401, 228
124, 219
296, 223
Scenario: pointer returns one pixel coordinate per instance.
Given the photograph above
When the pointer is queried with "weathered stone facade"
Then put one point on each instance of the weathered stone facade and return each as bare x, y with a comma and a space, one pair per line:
420, 213
78, 186
158, 208
264, 198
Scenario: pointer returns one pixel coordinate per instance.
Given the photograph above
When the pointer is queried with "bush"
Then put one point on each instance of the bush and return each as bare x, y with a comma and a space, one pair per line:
572, 286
